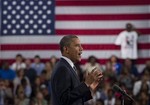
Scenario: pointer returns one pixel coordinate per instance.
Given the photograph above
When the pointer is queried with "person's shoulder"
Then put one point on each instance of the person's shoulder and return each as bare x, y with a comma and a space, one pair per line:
32, 64
123, 32
60, 64
11, 70
139, 82
134, 32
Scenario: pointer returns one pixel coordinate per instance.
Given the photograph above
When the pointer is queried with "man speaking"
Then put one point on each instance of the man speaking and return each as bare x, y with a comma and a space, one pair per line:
66, 87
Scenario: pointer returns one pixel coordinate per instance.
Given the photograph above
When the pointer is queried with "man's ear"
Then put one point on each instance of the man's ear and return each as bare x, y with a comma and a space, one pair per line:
66, 50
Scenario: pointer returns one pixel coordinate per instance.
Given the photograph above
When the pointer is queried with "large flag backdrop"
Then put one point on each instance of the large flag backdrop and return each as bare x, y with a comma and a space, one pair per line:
32, 27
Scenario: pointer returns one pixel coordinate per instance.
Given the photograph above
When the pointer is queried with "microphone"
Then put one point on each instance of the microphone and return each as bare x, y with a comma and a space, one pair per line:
118, 89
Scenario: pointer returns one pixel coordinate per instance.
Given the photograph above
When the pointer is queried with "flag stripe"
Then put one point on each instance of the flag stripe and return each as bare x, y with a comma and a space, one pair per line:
100, 54
96, 31
4, 47
101, 24
100, 2
83, 10
103, 17
85, 39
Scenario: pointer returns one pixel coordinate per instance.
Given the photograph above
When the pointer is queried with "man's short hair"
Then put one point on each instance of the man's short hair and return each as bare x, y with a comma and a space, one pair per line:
18, 55
66, 41
37, 56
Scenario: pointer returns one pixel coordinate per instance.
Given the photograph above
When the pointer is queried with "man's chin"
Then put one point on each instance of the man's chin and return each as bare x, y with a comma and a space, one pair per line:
79, 60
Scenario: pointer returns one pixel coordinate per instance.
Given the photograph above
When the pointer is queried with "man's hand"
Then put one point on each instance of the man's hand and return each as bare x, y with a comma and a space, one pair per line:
93, 78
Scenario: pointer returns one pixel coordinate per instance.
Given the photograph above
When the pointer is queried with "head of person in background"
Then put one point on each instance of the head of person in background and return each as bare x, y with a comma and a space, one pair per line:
128, 63
20, 73
28, 63
5, 66
48, 69
53, 60
2, 84
113, 59
37, 59
92, 60
147, 65
19, 58
129, 27
39, 99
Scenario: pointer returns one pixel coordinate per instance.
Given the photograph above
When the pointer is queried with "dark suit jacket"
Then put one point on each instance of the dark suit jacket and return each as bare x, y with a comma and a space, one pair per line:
66, 87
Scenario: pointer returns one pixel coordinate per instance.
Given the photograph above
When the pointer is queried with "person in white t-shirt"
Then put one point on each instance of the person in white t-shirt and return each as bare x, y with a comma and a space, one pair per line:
18, 64
127, 39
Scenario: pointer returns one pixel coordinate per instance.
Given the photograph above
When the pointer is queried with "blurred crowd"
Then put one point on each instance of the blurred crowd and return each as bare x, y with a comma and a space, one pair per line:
27, 82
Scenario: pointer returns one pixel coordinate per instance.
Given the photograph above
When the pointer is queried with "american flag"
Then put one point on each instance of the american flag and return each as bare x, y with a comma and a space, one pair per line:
32, 27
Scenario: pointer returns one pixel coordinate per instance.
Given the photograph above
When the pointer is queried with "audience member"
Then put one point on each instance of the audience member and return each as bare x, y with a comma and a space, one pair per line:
21, 99
148, 65
126, 78
18, 64
30, 72
116, 65
4, 94
143, 95
109, 73
43, 78
138, 84
111, 99
53, 60
37, 65
18, 79
8, 90
6, 73
26, 87
39, 99
128, 41
46, 94
48, 69
91, 64
36, 86
128, 63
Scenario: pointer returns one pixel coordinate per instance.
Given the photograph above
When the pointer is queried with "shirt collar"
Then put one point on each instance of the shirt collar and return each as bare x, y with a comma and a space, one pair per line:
68, 60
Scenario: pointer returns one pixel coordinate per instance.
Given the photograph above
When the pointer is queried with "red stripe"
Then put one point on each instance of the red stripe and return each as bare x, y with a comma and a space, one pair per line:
83, 61
7, 47
96, 31
100, 2
103, 17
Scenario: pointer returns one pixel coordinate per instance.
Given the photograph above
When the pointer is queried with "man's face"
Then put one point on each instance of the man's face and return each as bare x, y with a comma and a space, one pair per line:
129, 27
36, 60
19, 59
74, 51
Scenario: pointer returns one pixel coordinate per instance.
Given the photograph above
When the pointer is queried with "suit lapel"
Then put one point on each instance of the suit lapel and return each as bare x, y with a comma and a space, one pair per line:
71, 69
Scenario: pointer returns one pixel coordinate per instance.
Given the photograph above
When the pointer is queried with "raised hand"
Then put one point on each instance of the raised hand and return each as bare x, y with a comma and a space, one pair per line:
93, 78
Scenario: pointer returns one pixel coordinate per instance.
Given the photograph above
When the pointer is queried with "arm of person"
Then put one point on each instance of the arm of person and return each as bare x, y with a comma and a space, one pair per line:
118, 40
64, 89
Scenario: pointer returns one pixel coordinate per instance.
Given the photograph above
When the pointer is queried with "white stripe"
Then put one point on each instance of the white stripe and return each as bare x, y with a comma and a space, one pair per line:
109, 39
101, 24
85, 39
101, 54
30, 39
29, 54
102, 9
